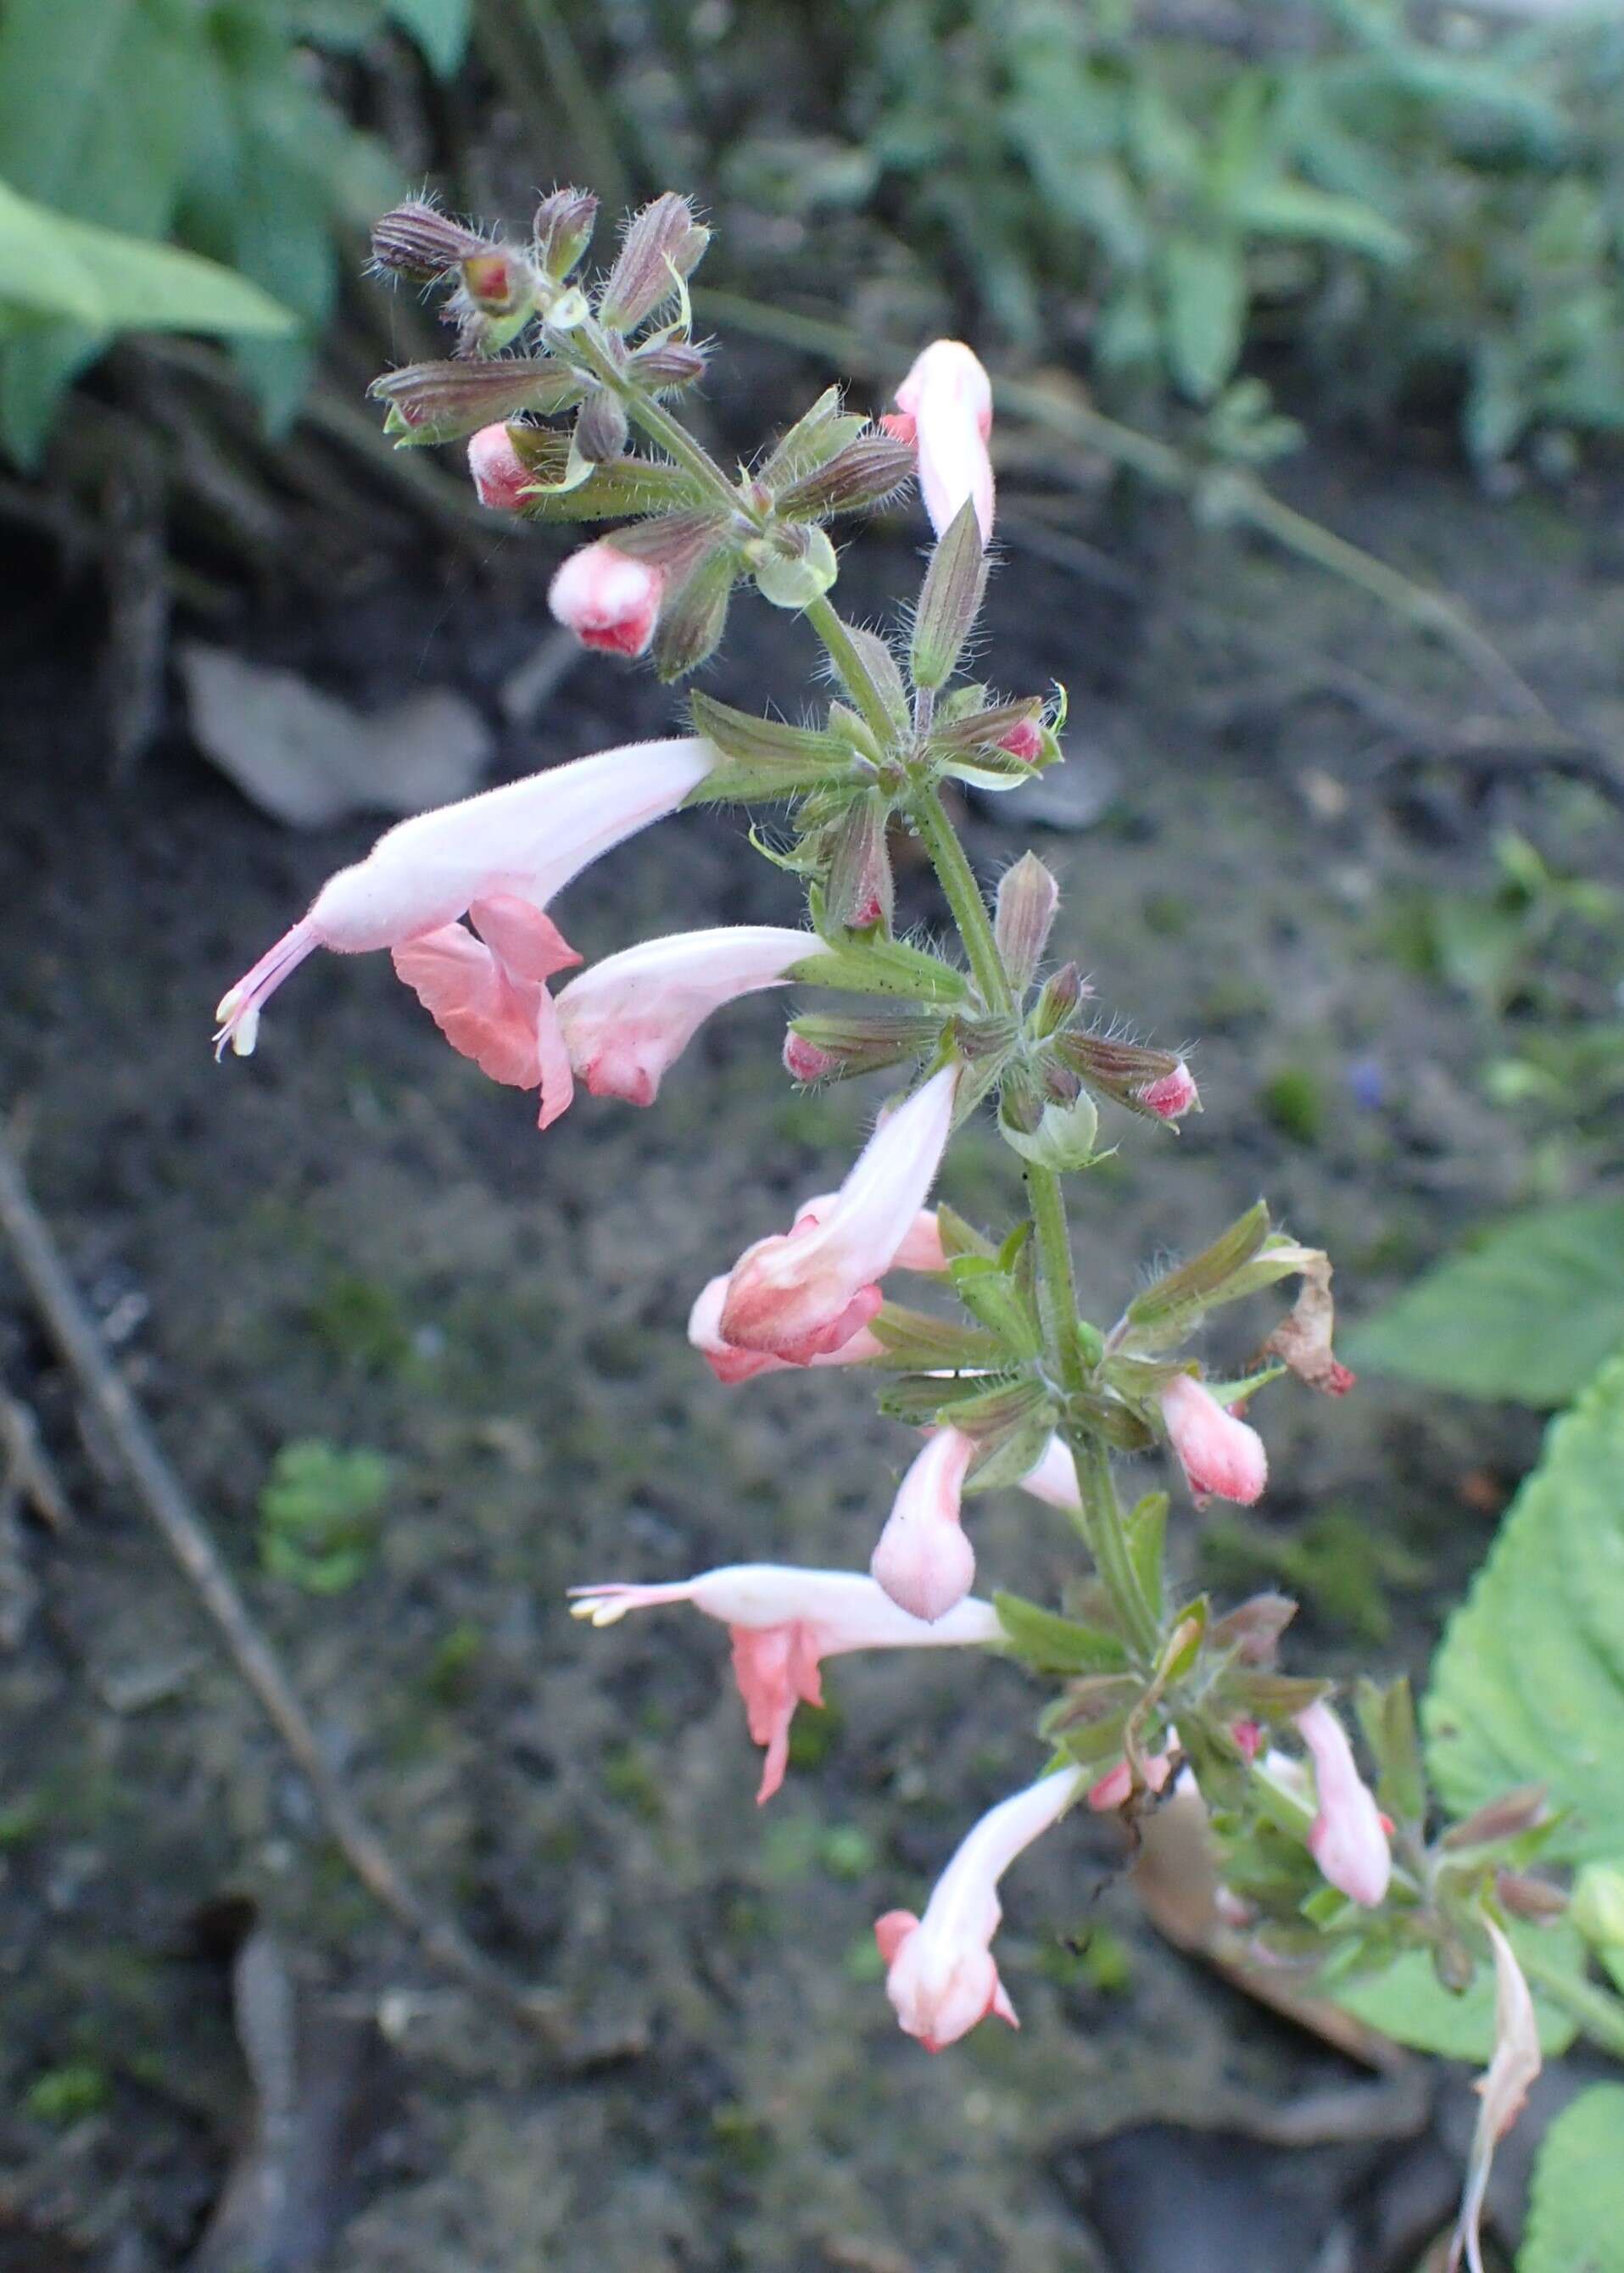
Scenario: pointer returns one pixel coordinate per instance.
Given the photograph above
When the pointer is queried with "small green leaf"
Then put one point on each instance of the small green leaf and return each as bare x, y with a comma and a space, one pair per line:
1529, 1313
1387, 1715
1204, 279
1050, 1643
1575, 2208
1167, 1309
882, 966
1147, 1533
913, 1339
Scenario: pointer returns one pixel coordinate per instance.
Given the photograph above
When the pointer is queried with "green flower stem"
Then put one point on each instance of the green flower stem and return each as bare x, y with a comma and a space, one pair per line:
1107, 1537
1047, 1196
586, 347
843, 655
963, 897
1597, 2010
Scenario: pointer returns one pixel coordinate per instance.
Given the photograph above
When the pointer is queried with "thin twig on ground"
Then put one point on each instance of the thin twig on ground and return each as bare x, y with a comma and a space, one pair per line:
165, 1501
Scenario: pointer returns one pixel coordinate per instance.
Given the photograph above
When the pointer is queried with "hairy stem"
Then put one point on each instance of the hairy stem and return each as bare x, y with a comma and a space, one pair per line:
962, 894
586, 347
1047, 1196
1107, 1537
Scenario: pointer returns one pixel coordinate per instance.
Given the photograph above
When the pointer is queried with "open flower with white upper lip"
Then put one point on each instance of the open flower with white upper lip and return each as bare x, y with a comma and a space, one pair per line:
783, 1622
940, 1974
946, 403
497, 859
921, 1250
801, 1294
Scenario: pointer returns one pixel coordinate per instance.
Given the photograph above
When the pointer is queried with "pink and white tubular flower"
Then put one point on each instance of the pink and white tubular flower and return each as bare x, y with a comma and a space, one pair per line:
948, 398
1503, 2088
799, 1294
629, 1018
924, 1559
607, 599
783, 1622
501, 479
1348, 1839
499, 857
921, 1250
1218, 1453
1053, 1478
940, 1974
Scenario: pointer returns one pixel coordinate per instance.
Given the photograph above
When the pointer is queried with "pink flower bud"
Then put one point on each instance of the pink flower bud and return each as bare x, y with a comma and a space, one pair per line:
1218, 1453
607, 599
923, 1560
1171, 1098
800, 1294
1115, 1787
1024, 740
783, 1622
805, 1062
1346, 1838
500, 478
940, 1976
500, 856
949, 397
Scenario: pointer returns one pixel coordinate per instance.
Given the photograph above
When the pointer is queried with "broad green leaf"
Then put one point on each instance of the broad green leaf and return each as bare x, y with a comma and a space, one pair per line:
439, 28
1408, 2002
1050, 1643
1575, 2208
1293, 209
1528, 1684
1204, 284
1530, 1313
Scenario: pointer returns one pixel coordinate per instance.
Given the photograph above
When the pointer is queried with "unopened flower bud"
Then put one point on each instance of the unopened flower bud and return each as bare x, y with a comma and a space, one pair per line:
1507, 1817
836, 1044
667, 363
602, 429
607, 600
805, 1063
495, 280
923, 1560
662, 243
1530, 1898
1171, 1097
1253, 1628
1024, 740
501, 479
418, 241
857, 479
563, 225
1063, 990
1218, 1453
1027, 897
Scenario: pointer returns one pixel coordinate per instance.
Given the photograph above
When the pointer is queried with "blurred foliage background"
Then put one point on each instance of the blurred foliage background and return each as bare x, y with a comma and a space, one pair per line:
1374, 208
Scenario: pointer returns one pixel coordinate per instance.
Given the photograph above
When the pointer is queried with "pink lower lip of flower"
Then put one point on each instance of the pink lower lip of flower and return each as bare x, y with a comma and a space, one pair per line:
501, 480
523, 842
802, 1295
1172, 1097
607, 599
1218, 1453
924, 1559
940, 1976
1346, 1838
782, 1622
486, 991
732, 1366
629, 1018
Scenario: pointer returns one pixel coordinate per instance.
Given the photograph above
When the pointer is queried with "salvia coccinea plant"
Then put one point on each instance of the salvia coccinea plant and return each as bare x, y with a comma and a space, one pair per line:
562, 391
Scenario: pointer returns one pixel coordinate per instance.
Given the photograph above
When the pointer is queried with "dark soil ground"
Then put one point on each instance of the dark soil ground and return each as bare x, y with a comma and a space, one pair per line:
354, 1237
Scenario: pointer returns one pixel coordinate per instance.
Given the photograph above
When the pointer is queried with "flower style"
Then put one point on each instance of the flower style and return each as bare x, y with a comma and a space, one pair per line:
800, 1294
501, 479
607, 599
940, 1974
629, 1018
1348, 1839
1218, 1453
1503, 2088
783, 1622
923, 1560
499, 857
946, 402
